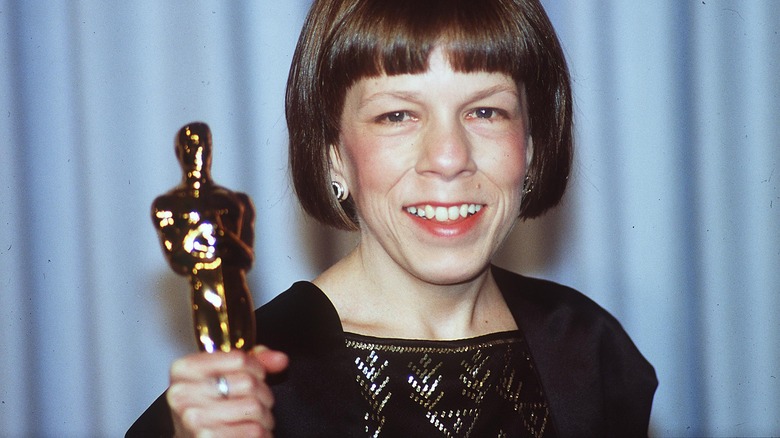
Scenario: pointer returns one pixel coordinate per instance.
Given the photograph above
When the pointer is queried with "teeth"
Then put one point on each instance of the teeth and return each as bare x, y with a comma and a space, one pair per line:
442, 214
453, 213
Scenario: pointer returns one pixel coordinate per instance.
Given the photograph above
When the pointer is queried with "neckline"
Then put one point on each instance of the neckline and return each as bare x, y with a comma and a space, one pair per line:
501, 336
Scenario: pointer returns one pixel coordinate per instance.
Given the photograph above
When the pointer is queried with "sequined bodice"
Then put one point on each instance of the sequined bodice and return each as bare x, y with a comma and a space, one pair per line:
479, 387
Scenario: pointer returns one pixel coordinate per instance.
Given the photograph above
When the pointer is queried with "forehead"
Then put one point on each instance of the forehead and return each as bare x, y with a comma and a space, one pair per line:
440, 80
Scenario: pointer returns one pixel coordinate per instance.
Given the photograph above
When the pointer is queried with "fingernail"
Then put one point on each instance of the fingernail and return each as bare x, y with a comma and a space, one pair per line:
259, 349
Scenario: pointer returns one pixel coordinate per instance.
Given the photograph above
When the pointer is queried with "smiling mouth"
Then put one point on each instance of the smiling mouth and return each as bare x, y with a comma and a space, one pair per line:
443, 214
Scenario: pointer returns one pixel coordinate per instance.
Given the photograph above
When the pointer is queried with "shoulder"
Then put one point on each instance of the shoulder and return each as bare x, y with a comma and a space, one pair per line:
536, 300
298, 319
301, 296
594, 376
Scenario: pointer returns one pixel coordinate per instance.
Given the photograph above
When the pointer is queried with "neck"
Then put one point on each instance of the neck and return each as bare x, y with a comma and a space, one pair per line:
382, 299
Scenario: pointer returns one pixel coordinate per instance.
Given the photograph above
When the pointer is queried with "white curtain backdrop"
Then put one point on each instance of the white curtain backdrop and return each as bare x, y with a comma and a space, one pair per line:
672, 222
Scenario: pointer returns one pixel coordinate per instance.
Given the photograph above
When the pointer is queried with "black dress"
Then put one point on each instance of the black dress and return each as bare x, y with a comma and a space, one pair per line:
581, 373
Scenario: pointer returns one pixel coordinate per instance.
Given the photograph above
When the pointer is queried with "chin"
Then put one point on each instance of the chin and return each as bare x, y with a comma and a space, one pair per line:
450, 274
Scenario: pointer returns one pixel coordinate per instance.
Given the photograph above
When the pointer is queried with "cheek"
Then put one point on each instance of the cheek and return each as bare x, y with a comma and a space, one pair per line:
369, 166
507, 162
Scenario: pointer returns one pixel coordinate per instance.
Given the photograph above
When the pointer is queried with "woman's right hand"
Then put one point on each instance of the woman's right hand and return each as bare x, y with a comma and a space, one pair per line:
198, 407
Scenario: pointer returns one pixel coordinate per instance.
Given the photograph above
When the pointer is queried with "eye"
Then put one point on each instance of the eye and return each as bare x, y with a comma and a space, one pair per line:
486, 113
395, 117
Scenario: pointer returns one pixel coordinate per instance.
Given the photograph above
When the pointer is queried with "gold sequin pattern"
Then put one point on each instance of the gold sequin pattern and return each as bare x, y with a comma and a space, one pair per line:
372, 383
481, 387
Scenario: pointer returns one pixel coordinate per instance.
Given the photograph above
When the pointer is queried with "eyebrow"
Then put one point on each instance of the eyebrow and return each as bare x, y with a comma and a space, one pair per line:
496, 89
414, 96
402, 95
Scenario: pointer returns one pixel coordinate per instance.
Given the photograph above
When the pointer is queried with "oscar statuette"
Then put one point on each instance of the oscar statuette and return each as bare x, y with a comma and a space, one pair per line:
207, 233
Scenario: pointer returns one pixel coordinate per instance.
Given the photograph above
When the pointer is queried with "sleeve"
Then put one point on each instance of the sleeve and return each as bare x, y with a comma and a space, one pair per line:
156, 421
628, 384
596, 380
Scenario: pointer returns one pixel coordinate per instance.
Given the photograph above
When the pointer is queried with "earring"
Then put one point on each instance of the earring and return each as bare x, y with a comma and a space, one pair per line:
339, 191
527, 186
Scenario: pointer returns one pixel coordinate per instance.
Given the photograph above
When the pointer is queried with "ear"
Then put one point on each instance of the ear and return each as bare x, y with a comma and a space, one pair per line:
337, 167
529, 152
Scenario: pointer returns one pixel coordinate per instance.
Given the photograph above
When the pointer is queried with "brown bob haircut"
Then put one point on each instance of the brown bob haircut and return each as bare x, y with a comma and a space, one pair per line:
344, 41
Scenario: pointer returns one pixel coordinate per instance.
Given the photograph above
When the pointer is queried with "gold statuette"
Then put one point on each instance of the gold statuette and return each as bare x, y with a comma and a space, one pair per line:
207, 233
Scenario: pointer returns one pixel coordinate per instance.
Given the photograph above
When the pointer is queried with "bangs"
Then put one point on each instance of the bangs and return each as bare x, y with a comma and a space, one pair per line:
397, 37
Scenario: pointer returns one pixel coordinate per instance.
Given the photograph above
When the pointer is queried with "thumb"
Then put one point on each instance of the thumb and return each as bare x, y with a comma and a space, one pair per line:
272, 360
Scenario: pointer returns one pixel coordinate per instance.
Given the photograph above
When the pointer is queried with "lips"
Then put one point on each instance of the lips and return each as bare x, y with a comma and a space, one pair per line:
443, 213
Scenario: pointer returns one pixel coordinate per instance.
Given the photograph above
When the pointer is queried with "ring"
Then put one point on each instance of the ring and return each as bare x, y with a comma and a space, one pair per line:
222, 387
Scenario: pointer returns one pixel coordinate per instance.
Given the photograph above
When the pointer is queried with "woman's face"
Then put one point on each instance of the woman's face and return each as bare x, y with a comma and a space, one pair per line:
435, 164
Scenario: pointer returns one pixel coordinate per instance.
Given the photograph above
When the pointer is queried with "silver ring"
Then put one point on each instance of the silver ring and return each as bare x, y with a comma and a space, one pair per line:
222, 387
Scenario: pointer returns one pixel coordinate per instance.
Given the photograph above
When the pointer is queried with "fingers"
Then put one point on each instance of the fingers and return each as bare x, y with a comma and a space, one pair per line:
227, 414
205, 391
242, 430
197, 365
239, 406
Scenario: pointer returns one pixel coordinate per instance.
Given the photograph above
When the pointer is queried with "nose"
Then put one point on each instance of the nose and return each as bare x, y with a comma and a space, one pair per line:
446, 151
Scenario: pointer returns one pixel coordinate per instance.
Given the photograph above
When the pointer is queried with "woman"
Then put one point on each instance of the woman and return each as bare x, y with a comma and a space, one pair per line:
428, 127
